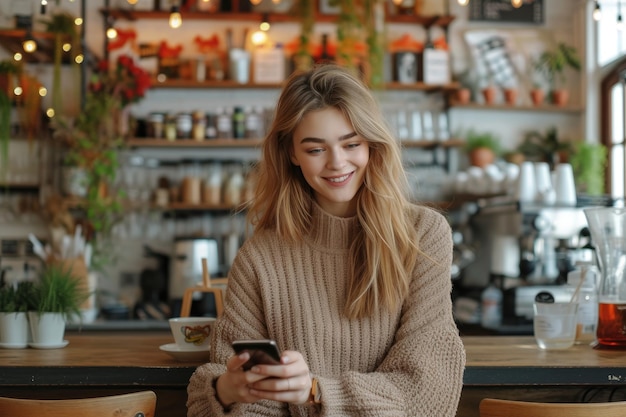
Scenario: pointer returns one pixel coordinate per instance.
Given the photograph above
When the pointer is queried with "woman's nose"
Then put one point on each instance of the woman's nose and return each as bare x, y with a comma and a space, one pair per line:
336, 159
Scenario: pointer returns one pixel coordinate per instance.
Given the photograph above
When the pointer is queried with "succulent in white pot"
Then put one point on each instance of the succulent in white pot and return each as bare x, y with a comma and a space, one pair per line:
15, 301
58, 296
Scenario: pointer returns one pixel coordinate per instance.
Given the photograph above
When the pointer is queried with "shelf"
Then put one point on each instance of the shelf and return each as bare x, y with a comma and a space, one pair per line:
253, 143
228, 84
426, 21
19, 187
12, 39
190, 143
525, 108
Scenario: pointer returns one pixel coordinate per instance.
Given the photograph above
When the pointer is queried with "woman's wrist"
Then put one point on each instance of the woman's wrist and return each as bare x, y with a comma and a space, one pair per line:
225, 402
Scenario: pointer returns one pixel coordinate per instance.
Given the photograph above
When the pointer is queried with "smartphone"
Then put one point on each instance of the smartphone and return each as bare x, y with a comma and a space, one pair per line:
262, 351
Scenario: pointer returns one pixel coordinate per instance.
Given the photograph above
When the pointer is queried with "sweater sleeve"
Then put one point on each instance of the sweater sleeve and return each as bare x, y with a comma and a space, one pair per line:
242, 319
422, 373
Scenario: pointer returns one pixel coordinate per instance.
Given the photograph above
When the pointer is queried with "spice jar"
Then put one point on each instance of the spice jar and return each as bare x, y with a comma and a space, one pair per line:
199, 126
170, 128
155, 125
183, 126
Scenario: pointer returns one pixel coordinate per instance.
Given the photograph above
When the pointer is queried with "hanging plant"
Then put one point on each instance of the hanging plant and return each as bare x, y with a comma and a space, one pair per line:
375, 28
306, 12
63, 27
350, 32
8, 70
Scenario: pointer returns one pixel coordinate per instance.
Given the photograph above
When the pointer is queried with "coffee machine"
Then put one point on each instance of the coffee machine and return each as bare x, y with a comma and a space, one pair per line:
526, 248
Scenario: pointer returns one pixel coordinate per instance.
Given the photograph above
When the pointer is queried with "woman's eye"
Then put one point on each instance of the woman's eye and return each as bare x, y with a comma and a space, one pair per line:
353, 145
314, 151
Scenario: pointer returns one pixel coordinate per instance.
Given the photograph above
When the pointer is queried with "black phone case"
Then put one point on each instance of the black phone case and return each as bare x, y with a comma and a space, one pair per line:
261, 352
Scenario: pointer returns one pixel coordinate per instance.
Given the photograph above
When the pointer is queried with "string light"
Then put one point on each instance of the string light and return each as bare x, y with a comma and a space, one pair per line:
176, 20
463, 2
44, 4
29, 44
111, 33
517, 3
265, 23
597, 13
67, 47
255, 2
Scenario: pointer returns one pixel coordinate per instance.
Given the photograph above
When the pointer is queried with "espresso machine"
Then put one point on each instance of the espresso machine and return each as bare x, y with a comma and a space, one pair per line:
527, 248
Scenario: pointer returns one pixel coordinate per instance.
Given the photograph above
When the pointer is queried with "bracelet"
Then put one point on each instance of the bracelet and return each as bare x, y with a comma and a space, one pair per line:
315, 396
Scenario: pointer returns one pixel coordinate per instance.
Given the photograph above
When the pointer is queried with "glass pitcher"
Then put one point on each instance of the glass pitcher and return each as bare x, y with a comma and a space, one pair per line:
608, 234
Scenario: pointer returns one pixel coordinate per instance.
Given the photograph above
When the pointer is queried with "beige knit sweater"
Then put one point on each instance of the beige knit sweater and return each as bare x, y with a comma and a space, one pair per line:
409, 363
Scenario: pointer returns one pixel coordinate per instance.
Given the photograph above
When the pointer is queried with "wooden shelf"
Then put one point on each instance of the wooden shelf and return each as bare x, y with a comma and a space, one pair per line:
426, 21
11, 40
253, 143
190, 143
19, 187
525, 108
228, 84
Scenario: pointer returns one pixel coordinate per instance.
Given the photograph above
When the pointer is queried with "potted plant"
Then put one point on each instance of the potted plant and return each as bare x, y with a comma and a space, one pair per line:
589, 163
57, 297
482, 148
545, 147
15, 301
553, 65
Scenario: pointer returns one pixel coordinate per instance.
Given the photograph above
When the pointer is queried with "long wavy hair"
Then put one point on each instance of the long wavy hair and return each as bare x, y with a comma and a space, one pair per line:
384, 252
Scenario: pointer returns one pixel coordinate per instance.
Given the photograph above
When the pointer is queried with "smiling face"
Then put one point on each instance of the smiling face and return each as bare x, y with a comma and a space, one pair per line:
332, 158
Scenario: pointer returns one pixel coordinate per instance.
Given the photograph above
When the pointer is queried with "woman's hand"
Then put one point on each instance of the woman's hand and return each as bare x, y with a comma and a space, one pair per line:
288, 382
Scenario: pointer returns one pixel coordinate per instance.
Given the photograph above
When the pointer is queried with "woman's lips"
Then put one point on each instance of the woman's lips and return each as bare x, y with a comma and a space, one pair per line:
339, 180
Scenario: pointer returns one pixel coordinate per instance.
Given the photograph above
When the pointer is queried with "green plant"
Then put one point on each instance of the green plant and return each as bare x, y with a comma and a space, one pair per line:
306, 12
544, 147
58, 291
552, 64
589, 163
8, 69
476, 140
17, 299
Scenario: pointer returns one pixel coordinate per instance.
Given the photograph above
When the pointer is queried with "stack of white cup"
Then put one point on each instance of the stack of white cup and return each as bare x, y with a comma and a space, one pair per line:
537, 185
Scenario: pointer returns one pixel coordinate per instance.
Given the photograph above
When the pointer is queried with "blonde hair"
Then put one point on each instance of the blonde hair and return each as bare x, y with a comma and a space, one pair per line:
384, 253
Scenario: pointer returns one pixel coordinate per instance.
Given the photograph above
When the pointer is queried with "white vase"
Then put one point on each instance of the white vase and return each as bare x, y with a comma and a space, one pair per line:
13, 330
47, 329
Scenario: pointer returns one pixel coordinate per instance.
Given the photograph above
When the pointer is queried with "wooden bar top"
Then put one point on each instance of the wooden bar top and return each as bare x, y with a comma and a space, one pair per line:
134, 359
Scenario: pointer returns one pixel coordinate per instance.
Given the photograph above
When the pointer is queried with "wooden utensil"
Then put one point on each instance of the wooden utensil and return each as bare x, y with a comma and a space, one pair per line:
204, 288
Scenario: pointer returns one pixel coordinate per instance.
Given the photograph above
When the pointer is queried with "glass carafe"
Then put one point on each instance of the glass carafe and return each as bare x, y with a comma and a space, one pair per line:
608, 234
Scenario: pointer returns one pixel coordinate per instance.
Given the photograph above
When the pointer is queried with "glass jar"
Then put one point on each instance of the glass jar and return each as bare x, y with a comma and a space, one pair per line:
199, 126
184, 125
156, 122
170, 128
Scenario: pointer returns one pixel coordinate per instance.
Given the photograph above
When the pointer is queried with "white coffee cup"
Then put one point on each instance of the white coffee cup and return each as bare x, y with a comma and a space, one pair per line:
192, 333
564, 185
527, 189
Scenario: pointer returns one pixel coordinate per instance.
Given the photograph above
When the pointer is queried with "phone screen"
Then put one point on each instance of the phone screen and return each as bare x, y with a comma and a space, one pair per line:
264, 352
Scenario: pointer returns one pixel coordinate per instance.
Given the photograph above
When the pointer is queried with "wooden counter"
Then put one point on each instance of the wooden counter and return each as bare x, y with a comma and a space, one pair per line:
103, 363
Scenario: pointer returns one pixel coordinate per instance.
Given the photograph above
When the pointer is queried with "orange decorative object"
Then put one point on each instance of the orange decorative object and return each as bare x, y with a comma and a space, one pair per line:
207, 44
123, 36
440, 43
406, 43
166, 51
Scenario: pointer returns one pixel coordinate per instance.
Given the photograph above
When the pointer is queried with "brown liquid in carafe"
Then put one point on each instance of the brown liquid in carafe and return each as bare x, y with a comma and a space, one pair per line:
612, 325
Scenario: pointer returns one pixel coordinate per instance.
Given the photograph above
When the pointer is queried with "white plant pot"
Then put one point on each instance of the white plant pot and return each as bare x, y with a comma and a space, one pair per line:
13, 330
47, 329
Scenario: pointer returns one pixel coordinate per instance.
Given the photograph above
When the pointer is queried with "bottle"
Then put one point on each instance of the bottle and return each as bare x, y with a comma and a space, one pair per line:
587, 298
224, 125
239, 123
253, 120
491, 306
325, 55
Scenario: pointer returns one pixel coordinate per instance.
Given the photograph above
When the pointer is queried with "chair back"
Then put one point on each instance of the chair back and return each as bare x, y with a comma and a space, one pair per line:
490, 407
137, 404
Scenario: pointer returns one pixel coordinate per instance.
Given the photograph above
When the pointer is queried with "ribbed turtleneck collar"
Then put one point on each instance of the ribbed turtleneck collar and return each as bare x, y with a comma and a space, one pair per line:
329, 232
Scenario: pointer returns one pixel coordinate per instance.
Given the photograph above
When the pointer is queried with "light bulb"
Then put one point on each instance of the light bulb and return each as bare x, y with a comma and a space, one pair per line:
29, 45
78, 21
17, 56
18, 91
463, 2
517, 3
111, 33
176, 20
258, 38
255, 2
79, 59
264, 26
397, 2
597, 13
43, 91
67, 47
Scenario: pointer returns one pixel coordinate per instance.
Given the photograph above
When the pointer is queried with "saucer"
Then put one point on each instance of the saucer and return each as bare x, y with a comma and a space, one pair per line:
13, 345
48, 346
182, 355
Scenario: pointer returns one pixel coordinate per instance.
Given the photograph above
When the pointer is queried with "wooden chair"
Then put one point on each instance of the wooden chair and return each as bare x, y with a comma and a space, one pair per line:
137, 404
206, 287
490, 407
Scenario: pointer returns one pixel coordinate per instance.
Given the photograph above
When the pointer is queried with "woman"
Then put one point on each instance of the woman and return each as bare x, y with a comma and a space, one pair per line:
343, 272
